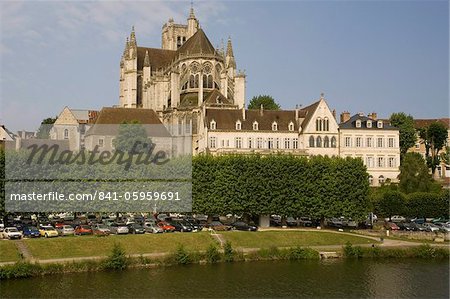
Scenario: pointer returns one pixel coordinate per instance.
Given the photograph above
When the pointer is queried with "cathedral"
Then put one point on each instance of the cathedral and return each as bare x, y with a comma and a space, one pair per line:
184, 75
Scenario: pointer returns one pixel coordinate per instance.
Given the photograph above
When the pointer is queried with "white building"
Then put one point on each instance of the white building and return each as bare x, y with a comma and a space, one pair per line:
375, 142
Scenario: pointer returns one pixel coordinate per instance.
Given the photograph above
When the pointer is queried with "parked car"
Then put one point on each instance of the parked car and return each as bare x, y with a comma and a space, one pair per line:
334, 222
30, 232
349, 223
391, 226
404, 226
445, 228
305, 221
136, 228
100, 230
195, 224
48, 231
219, 226
118, 228
181, 226
65, 230
241, 225
152, 228
166, 227
418, 220
416, 226
83, 230
430, 227
11, 233
397, 218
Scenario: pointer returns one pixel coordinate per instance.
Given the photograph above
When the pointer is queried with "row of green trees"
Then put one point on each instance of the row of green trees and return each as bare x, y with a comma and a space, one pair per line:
286, 185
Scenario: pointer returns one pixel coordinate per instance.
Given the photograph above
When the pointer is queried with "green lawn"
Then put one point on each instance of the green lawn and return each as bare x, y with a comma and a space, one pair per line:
65, 247
8, 251
290, 239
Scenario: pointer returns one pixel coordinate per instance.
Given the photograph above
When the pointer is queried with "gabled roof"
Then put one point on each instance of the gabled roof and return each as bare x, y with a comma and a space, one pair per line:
197, 44
159, 58
8, 132
308, 112
420, 123
216, 98
117, 116
351, 123
226, 119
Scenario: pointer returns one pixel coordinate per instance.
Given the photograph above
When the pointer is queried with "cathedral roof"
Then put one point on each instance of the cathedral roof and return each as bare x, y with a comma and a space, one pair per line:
159, 58
216, 98
226, 119
197, 44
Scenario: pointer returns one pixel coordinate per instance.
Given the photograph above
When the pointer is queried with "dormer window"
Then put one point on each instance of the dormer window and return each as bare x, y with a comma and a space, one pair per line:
255, 126
291, 126
212, 125
380, 124
369, 124
358, 123
238, 125
274, 126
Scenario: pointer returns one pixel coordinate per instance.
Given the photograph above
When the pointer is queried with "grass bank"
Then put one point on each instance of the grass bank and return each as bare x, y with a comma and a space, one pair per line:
8, 251
85, 246
119, 261
267, 239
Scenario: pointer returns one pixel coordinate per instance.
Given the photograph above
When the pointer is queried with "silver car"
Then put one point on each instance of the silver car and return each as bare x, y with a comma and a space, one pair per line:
151, 227
118, 228
66, 230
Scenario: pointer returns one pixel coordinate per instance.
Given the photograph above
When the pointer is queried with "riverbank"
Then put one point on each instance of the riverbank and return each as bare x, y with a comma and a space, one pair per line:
118, 260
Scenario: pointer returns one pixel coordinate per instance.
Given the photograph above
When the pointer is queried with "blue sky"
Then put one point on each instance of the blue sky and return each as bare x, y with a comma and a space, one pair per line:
382, 56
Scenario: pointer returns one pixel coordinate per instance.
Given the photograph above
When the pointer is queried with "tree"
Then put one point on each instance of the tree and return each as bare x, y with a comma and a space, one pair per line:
266, 101
445, 156
390, 203
426, 204
405, 124
414, 175
132, 137
434, 137
44, 130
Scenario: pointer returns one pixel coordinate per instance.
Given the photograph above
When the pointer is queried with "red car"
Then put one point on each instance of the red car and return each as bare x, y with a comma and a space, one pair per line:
83, 230
391, 226
166, 227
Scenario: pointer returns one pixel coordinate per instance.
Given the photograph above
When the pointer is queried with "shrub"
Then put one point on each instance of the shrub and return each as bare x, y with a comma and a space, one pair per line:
298, 253
228, 252
352, 251
117, 260
182, 256
212, 254
427, 252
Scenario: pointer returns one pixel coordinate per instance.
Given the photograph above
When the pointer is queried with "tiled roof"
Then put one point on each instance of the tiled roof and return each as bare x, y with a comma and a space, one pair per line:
116, 116
159, 58
216, 98
226, 119
420, 123
308, 112
351, 123
197, 44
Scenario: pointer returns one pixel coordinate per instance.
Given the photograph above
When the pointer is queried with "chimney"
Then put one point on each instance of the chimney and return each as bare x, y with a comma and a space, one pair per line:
261, 109
243, 113
372, 115
345, 116
334, 113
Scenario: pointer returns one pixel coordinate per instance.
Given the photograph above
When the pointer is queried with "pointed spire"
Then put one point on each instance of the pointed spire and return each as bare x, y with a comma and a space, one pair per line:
132, 36
191, 13
229, 48
146, 59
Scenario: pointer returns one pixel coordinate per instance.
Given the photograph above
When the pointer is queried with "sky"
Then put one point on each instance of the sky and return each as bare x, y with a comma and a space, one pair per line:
365, 56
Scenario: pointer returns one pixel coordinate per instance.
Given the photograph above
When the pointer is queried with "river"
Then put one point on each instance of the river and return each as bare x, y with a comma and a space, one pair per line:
407, 278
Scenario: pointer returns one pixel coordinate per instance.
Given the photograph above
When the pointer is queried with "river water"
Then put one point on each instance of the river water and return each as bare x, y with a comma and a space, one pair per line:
406, 278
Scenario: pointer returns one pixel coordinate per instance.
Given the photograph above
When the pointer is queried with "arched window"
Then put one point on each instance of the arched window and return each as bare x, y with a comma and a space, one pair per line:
319, 141
291, 126
191, 81
333, 141
274, 126
210, 81
318, 124
358, 123
212, 125
255, 126
197, 78
326, 124
381, 179
369, 124
370, 180
326, 142
238, 125
207, 81
311, 141
66, 134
